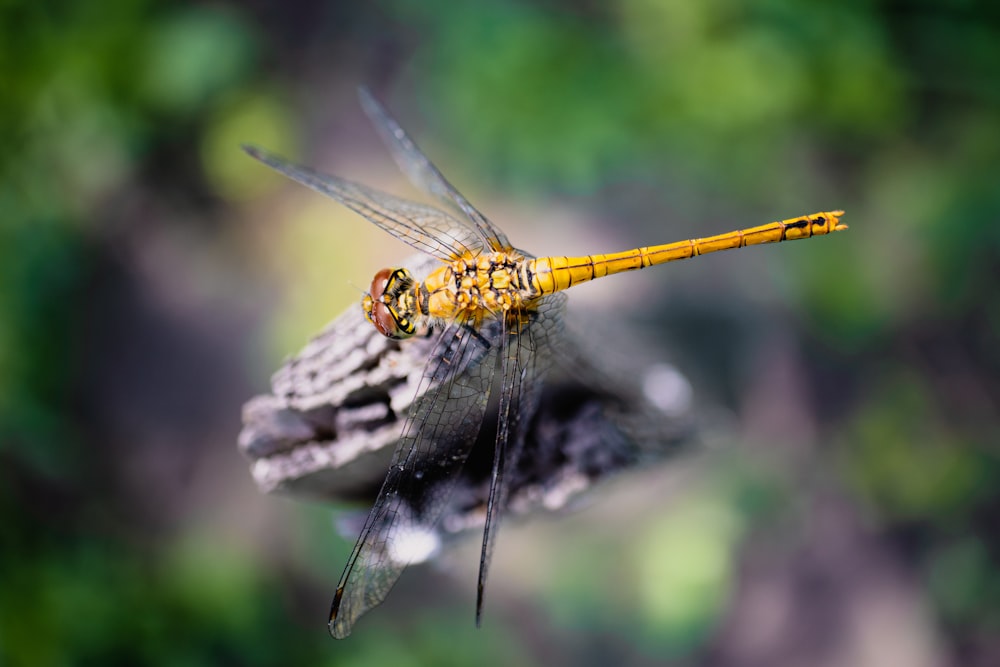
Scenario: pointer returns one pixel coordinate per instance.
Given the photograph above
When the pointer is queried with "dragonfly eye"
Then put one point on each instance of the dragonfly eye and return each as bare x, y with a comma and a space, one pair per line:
379, 282
384, 321
381, 308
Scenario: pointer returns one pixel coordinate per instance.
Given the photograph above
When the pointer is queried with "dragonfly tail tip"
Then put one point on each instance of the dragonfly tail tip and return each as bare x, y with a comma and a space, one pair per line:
838, 226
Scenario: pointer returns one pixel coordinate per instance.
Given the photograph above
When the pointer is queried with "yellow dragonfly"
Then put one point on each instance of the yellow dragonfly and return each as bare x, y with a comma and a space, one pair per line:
489, 308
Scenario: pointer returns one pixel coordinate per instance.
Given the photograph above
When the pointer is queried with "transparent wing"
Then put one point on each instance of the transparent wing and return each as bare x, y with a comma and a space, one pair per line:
424, 175
436, 441
525, 361
425, 228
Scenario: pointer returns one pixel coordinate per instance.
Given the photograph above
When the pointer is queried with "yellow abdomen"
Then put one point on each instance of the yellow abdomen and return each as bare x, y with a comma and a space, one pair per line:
553, 274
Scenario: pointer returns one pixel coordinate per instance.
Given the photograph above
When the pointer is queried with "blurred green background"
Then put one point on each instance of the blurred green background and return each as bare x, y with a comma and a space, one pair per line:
152, 276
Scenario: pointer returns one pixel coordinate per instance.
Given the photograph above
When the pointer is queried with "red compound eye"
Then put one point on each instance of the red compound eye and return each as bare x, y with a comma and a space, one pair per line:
384, 321
379, 282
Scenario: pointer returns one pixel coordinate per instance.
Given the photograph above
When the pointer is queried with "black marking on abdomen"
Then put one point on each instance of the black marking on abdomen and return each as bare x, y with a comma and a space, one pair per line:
527, 277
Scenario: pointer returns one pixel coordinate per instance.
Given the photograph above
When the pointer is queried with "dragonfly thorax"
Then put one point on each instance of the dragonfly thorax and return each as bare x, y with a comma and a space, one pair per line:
476, 288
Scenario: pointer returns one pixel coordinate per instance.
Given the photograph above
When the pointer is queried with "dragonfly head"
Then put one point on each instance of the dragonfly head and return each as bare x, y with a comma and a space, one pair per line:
390, 303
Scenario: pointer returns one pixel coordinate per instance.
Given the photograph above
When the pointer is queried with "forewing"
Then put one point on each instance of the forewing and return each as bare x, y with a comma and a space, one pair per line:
425, 228
525, 362
424, 175
436, 441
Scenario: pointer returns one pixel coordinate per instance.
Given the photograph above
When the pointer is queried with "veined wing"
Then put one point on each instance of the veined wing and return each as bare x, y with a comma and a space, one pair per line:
424, 175
525, 361
437, 438
425, 228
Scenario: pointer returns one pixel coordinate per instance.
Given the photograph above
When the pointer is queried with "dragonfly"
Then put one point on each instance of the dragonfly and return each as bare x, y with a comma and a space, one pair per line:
495, 315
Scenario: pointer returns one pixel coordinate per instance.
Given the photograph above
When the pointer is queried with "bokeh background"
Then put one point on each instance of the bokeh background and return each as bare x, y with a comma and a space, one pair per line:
846, 510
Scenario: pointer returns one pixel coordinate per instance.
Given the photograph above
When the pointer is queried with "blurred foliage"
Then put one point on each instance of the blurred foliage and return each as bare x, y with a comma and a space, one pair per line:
912, 465
719, 81
120, 123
